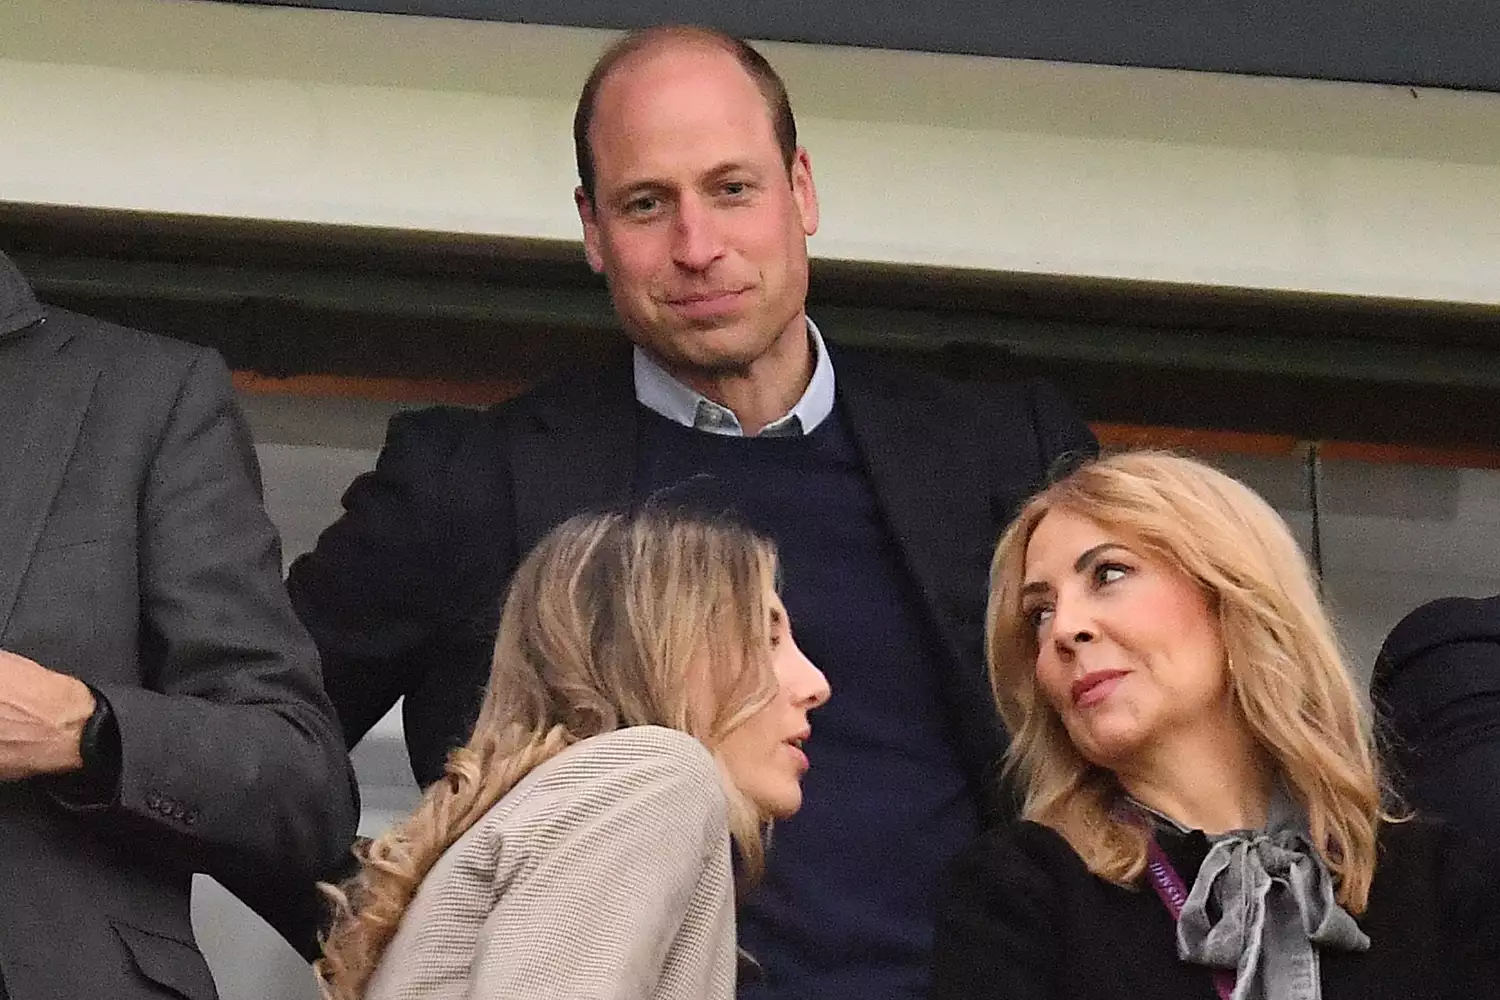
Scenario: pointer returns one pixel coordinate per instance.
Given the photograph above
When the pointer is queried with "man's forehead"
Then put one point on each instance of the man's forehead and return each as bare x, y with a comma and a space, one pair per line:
705, 54
649, 81
673, 121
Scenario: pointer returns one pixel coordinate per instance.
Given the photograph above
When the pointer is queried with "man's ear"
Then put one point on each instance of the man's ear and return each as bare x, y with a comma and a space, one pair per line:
587, 216
804, 193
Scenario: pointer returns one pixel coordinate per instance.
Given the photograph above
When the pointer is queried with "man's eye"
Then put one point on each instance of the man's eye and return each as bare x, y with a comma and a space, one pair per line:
735, 188
642, 206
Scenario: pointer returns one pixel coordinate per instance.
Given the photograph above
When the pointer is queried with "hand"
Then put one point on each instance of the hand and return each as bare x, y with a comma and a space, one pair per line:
42, 713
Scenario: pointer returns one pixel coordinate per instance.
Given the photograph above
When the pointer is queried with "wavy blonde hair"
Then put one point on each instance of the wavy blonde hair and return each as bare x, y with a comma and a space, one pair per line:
1287, 672
613, 620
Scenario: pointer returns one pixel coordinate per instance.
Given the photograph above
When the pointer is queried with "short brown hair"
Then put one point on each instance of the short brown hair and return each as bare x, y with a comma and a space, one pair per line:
761, 72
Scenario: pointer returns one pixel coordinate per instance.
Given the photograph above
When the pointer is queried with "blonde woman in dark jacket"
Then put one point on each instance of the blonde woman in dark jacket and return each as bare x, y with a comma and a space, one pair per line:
1203, 809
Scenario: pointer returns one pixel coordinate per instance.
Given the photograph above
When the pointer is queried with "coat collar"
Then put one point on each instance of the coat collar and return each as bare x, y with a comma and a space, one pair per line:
577, 452
18, 305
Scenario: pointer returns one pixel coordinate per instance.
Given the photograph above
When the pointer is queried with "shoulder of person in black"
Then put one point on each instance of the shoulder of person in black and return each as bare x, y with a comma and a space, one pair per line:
1026, 920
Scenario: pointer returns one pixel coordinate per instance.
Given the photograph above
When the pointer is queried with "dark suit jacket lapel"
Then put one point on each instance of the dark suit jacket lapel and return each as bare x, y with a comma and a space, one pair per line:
920, 454
578, 453
936, 510
44, 395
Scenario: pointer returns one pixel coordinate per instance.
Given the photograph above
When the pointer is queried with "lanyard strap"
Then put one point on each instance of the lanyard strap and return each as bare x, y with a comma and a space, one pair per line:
1169, 886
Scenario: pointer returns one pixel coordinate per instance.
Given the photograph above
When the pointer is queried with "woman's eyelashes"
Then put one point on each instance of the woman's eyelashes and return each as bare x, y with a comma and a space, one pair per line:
1101, 575
1036, 615
1106, 573
778, 627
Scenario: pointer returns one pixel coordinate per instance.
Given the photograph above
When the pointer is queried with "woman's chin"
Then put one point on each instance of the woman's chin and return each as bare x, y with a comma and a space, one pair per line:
781, 805
1105, 745
787, 809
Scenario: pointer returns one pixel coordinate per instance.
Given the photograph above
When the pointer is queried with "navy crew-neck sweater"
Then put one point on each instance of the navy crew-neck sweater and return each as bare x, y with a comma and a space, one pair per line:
847, 905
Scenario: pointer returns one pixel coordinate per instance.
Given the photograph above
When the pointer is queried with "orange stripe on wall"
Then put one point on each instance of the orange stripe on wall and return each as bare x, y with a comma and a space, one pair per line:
1112, 436
386, 390
1118, 437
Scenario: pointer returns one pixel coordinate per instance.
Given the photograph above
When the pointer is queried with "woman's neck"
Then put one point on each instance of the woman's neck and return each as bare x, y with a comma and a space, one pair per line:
1214, 780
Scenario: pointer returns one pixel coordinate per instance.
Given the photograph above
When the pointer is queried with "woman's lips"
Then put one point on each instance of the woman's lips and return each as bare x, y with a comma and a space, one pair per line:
794, 744
1094, 687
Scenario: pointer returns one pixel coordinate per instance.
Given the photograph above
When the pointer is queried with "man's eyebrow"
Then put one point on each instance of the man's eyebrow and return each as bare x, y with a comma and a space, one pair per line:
727, 167
635, 189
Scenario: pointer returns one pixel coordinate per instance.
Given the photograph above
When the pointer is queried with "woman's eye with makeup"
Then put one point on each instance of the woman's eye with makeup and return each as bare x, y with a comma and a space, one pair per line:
1037, 615
1106, 573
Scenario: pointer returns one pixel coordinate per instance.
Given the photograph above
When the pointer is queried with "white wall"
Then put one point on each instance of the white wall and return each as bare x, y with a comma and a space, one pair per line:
280, 113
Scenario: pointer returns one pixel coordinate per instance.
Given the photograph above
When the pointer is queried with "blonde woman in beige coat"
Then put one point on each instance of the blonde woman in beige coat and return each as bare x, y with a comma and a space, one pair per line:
646, 707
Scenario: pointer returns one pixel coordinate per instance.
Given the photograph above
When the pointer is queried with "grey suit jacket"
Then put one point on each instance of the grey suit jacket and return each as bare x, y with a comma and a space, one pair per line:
135, 555
603, 875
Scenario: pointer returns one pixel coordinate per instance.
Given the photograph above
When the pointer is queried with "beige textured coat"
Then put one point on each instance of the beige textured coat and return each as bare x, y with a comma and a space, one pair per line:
604, 874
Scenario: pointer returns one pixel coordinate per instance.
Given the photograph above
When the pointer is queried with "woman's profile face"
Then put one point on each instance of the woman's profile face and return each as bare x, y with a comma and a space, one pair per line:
1128, 649
765, 754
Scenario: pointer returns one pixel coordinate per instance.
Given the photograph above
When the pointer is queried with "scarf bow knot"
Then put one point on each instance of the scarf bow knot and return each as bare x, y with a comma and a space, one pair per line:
1261, 903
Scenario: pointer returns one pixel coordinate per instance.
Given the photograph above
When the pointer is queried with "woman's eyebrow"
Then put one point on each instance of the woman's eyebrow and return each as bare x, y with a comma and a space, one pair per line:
1089, 554
1035, 587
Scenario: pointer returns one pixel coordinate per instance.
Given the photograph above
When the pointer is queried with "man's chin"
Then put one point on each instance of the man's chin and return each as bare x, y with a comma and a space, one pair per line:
716, 365
708, 352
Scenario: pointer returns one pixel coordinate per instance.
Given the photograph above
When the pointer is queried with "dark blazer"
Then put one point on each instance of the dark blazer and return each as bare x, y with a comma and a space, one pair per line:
1437, 688
135, 555
1025, 920
403, 592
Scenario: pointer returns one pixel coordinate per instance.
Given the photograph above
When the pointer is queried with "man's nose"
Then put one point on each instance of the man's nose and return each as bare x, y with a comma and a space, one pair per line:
698, 242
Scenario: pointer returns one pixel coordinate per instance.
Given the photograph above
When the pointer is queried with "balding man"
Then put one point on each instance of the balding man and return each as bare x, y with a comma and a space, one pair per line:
884, 488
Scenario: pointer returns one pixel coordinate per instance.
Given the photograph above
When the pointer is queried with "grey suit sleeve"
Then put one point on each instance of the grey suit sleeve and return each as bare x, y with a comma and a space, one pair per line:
230, 758
636, 902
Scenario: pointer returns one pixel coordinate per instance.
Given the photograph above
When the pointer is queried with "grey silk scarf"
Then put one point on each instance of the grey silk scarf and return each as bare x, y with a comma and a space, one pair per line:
1261, 902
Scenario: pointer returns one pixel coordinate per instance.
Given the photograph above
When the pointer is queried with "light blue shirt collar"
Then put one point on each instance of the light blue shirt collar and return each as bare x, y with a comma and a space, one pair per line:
661, 392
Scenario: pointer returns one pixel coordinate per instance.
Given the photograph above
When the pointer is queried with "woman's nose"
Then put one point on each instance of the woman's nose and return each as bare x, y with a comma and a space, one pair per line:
1071, 624
814, 689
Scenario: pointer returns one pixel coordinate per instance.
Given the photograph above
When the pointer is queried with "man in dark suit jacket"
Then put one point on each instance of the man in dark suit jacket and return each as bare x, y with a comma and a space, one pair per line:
884, 489
161, 711
1437, 687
